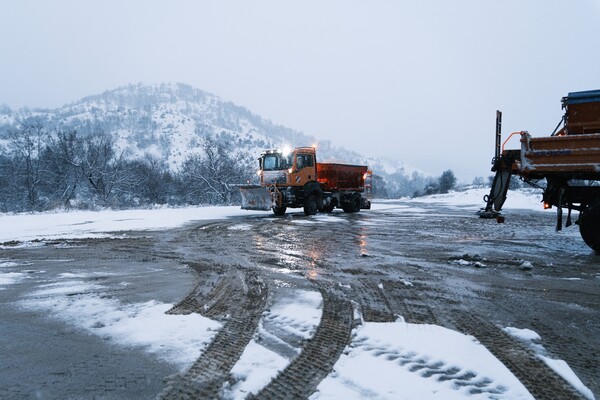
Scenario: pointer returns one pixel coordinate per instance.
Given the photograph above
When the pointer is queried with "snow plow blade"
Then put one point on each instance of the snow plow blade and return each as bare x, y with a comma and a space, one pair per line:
256, 198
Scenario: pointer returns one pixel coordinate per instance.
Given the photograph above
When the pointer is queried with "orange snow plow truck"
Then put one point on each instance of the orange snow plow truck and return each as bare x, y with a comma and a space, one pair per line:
566, 165
294, 178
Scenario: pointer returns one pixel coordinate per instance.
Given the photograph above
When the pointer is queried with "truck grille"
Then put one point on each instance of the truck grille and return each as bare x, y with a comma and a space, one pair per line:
271, 177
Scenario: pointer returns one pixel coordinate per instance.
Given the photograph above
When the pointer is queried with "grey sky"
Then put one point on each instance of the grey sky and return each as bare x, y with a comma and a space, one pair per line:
414, 80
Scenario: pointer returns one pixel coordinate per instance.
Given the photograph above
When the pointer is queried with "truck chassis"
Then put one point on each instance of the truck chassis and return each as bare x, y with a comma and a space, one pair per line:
565, 165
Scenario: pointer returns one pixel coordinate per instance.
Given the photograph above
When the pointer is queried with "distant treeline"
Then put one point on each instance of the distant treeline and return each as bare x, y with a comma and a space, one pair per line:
42, 169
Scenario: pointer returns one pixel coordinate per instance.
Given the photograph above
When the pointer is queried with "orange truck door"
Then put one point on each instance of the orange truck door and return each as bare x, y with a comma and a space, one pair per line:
304, 169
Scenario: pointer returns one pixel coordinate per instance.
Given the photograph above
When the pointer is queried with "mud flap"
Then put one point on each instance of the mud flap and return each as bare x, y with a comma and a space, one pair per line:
495, 200
256, 198
500, 188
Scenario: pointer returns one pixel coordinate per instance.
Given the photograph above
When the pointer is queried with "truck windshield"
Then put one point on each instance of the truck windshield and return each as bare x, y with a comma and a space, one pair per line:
273, 162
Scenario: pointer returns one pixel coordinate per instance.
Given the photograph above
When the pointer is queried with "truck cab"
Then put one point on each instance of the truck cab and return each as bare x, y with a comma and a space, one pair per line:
295, 167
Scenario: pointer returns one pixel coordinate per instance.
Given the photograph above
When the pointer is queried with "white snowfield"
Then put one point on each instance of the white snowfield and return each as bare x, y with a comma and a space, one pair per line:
90, 224
394, 360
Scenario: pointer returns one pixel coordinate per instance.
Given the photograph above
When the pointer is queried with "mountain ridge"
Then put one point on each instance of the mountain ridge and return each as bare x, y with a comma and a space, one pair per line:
167, 120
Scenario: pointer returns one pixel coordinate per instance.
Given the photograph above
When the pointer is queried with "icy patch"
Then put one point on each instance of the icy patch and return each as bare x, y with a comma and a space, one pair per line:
240, 227
391, 205
177, 339
410, 361
330, 218
7, 264
8, 278
531, 339
84, 275
404, 209
304, 221
66, 288
296, 315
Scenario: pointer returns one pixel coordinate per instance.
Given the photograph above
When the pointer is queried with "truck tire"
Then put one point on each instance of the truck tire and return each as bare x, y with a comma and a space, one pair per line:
279, 211
353, 205
589, 226
310, 206
356, 202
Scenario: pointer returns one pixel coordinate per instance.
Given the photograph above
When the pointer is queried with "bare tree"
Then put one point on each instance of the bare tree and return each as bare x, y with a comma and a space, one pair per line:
214, 175
26, 143
62, 160
102, 168
153, 183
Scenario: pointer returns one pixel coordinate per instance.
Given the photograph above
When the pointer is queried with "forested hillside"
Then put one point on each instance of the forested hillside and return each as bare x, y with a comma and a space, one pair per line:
144, 145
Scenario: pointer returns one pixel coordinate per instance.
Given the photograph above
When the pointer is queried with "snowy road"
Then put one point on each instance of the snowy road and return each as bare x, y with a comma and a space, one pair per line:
409, 300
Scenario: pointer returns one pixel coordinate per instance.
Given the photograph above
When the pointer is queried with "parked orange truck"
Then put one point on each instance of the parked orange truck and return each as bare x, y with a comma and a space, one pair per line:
566, 165
294, 178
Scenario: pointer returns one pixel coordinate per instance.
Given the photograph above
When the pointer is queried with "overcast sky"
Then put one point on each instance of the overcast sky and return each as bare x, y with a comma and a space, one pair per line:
417, 81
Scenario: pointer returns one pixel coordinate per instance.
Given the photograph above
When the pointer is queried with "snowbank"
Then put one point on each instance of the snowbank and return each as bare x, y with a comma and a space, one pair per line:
90, 224
515, 199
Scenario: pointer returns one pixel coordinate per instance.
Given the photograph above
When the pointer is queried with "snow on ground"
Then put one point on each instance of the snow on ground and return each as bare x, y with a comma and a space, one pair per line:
177, 339
532, 339
90, 224
384, 360
297, 314
408, 361
8, 278
529, 199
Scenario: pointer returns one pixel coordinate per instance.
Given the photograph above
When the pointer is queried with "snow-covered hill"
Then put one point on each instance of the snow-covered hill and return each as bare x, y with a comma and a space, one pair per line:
168, 120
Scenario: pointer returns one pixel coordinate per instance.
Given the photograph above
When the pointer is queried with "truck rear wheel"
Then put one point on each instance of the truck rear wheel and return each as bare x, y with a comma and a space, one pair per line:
279, 211
353, 205
310, 206
589, 226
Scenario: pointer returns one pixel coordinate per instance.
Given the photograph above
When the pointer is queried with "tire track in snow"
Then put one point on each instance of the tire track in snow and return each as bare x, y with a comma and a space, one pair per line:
207, 375
374, 305
582, 359
302, 376
217, 304
541, 381
408, 301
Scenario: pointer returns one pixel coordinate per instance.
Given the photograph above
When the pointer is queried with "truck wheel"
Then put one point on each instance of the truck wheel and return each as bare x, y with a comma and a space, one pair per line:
589, 226
310, 206
353, 205
279, 211
356, 202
